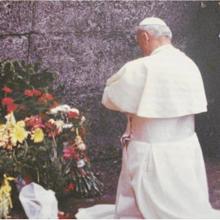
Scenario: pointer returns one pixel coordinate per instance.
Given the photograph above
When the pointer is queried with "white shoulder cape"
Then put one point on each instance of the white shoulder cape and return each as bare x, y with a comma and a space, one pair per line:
165, 84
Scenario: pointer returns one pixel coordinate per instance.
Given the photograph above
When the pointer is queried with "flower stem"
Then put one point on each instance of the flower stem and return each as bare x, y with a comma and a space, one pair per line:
54, 145
26, 148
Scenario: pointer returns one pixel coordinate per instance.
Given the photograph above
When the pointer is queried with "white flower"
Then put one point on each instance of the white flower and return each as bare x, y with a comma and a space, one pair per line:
81, 163
70, 125
60, 108
52, 121
81, 146
59, 124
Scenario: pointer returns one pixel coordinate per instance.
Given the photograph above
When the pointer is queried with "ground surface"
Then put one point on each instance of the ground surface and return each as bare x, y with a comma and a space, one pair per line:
70, 205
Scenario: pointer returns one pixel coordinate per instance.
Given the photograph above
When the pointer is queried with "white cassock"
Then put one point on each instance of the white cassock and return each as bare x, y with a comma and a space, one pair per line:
163, 171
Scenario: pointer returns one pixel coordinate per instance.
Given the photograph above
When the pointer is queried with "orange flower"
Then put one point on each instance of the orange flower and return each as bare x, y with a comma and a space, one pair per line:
28, 92
45, 97
36, 92
7, 101
7, 89
32, 92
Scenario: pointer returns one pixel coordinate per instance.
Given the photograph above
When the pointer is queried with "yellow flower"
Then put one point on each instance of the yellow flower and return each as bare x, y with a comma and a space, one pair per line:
12, 132
37, 135
3, 135
18, 133
21, 123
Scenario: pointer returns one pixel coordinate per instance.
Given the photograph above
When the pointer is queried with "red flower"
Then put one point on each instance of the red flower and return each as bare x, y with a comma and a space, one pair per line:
68, 152
34, 122
7, 89
70, 187
28, 92
11, 107
72, 114
51, 129
36, 92
7, 101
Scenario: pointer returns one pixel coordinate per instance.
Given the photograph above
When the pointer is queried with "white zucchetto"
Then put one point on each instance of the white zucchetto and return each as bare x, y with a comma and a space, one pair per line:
152, 21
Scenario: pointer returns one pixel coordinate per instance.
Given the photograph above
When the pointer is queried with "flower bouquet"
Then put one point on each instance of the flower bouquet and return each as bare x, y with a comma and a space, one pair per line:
42, 140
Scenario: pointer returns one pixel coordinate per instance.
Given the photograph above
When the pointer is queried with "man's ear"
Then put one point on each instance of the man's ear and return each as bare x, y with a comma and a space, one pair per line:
147, 36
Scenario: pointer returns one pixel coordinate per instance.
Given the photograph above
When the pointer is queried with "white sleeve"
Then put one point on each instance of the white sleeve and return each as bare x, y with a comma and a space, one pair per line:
123, 90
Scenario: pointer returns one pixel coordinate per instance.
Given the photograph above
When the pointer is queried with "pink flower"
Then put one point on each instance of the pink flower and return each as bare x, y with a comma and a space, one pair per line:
68, 152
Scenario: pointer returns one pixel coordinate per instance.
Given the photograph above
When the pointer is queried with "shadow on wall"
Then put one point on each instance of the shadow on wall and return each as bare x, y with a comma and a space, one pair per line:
204, 48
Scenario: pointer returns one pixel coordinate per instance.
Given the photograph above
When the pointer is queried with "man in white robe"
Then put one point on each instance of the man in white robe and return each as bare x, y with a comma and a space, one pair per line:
163, 172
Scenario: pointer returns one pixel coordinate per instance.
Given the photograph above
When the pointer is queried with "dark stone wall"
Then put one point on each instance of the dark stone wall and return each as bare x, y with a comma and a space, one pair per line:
205, 50
87, 41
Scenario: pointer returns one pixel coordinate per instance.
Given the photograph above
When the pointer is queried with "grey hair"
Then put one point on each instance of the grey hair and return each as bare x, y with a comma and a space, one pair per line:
156, 30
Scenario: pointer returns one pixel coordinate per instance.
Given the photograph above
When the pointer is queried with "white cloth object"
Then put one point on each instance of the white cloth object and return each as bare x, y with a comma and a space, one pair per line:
38, 203
165, 84
162, 177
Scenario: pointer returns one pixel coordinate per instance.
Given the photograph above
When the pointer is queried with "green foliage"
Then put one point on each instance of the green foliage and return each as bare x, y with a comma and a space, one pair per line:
19, 76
